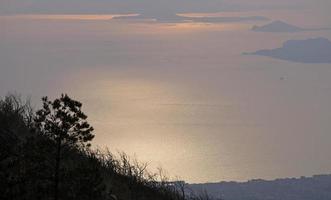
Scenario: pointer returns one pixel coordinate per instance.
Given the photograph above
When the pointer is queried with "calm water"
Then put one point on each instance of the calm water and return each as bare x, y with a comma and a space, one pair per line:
180, 96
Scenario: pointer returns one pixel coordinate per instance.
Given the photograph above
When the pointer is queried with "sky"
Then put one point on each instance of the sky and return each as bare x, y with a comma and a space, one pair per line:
150, 6
180, 93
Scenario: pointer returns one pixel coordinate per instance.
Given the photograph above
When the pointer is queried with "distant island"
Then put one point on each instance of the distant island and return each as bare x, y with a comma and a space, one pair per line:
314, 50
278, 26
305, 188
283, 27
175, 18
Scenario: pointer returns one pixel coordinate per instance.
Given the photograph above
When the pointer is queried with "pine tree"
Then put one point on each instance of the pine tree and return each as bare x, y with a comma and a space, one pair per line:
63, 121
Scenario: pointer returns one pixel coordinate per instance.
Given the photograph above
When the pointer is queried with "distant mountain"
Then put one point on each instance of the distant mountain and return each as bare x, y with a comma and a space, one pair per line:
313, 188
277, 26
315, 50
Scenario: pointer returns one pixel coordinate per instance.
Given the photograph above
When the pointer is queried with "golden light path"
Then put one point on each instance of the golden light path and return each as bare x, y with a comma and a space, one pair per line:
152, 120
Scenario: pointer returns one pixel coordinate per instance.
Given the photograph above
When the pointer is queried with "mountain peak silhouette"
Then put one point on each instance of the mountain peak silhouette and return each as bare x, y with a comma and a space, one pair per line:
277, 26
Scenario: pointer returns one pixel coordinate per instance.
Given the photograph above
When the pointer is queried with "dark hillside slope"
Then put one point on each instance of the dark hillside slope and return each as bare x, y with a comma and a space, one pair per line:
27, 163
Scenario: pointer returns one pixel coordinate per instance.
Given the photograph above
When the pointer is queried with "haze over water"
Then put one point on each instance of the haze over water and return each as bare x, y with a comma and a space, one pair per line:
182, 95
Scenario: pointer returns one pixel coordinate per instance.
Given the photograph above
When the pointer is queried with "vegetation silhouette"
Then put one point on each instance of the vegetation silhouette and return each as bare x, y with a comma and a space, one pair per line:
63, 121
46, 155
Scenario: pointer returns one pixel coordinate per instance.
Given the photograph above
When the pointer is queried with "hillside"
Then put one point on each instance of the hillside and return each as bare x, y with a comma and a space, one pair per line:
28, 160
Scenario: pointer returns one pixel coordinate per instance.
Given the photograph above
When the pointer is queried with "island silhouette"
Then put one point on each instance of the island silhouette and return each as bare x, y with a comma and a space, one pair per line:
313, 50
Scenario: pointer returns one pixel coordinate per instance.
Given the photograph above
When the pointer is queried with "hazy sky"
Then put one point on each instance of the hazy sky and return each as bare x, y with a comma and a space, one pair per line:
180, 95
151, 6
